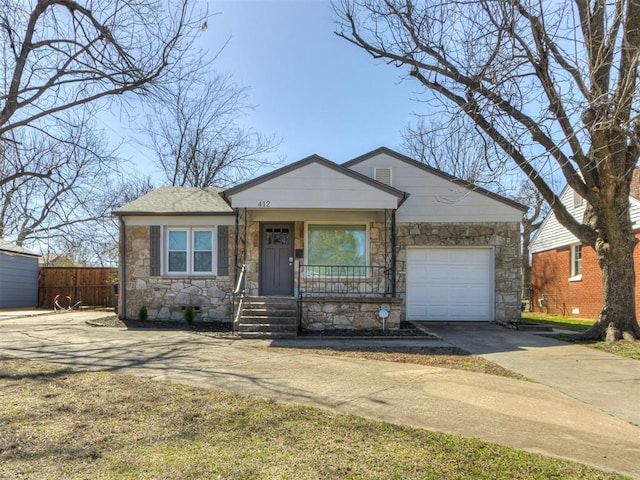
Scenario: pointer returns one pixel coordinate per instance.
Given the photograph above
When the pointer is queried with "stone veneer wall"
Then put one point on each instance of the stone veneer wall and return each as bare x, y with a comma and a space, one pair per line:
502, 236
166, 297
376, 252
350, 313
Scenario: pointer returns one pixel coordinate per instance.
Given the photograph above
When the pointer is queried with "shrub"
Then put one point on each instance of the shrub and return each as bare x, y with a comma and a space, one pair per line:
143, 314
189, 315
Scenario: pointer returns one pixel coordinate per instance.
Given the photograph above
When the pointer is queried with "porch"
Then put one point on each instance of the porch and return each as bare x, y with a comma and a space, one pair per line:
329, 297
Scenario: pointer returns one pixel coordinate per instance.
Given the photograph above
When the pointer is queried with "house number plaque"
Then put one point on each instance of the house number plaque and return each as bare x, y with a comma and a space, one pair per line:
264, 203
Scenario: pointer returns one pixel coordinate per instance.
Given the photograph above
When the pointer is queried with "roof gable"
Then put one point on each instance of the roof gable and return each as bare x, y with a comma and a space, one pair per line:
314, 182
434, 171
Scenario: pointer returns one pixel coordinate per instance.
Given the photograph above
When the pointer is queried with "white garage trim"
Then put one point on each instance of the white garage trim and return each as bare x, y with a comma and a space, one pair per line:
450, 284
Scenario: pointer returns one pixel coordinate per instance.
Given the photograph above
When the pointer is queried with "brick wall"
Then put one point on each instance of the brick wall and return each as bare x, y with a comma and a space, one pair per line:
582, 298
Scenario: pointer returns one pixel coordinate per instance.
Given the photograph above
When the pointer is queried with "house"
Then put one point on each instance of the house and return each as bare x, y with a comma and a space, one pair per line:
365, 244
565, 276
18, 276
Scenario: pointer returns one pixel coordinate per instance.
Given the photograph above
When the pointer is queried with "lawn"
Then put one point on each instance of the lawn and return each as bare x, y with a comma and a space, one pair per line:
621, 348
56, 423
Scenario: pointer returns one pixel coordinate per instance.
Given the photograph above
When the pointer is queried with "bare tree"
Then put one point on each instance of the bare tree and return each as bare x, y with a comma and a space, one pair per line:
95, 242
458, 147
60, 54
195, 132
73, 191
553, 84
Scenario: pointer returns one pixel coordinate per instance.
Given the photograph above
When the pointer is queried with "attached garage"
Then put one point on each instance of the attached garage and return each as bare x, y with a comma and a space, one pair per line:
450, 284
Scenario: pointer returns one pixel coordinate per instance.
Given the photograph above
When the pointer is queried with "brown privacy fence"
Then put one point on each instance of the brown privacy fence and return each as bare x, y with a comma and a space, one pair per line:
93, 287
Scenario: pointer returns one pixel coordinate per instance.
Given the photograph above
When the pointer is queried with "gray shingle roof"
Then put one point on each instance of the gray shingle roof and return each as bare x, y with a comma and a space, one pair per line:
177, 200
10, 247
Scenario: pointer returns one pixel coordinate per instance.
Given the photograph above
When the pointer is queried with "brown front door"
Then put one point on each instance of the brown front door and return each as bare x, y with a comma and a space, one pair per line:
276, 259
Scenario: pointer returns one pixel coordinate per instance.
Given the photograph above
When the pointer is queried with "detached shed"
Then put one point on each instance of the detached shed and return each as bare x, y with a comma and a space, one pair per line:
18, 276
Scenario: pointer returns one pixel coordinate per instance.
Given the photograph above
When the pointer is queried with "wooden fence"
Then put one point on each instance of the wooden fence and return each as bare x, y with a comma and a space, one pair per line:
91, 286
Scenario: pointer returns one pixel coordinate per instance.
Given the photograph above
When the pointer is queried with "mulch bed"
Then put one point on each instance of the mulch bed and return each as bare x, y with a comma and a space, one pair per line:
115, 322
407, 329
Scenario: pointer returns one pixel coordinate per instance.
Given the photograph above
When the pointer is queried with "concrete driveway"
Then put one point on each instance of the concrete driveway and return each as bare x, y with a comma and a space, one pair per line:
530, 416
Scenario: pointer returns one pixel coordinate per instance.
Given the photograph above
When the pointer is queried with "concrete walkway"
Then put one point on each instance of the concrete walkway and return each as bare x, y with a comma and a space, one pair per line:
530, 416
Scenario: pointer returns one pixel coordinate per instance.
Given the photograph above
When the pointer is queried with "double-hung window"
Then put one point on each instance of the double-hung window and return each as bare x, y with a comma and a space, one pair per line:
576, 262
336, 249
190, 251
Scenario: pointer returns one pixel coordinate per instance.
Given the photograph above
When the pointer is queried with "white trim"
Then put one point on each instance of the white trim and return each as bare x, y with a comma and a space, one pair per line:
575, 277
164, 246
179, 220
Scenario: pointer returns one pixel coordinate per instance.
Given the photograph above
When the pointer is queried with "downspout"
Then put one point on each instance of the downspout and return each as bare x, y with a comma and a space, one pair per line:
244, 251
123, 271
235, 253
393, 254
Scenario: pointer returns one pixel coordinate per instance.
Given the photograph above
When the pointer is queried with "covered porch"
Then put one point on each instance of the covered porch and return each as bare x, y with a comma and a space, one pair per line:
327, 243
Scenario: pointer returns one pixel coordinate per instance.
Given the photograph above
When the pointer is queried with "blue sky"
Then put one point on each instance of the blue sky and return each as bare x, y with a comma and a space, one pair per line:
318, 92
314, 90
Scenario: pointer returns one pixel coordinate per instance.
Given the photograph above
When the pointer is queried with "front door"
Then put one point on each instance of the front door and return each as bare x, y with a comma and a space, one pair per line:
276, 259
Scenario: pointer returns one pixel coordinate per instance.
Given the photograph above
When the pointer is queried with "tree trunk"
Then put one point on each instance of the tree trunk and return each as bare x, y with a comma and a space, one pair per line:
618, 313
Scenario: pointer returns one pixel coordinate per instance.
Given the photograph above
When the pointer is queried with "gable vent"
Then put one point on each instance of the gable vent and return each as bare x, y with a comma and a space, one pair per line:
383, 175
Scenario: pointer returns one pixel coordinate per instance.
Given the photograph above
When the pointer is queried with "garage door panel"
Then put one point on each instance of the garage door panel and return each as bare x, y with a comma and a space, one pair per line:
452, 284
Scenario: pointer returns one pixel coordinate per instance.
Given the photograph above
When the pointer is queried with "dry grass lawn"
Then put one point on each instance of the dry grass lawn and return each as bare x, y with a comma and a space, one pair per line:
453, 358
60, 424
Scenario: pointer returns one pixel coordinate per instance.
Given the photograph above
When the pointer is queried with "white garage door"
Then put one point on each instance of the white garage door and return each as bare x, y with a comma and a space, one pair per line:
450, 284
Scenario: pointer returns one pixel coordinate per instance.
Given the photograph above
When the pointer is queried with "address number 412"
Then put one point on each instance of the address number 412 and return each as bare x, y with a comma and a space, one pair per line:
264, 203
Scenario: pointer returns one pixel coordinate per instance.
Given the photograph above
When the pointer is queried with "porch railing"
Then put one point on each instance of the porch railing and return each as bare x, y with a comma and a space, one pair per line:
344, 280
238, 298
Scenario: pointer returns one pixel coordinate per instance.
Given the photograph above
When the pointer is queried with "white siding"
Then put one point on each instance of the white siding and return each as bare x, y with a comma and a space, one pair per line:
436, 199
178, 220
553, 235
314, 186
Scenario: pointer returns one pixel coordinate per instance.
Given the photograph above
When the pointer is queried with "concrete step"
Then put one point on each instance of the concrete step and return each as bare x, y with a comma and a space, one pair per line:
267, 335
266, 327
268, 319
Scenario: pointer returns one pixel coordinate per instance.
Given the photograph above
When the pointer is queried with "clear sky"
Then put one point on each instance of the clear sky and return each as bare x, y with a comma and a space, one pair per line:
317, 92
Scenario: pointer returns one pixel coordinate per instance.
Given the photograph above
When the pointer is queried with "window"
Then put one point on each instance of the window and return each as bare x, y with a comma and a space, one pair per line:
576, 262
189, 251
337, 246
577, 200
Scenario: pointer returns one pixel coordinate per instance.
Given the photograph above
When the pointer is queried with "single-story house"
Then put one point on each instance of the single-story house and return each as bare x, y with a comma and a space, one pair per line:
18, 276
565, 276
364, 244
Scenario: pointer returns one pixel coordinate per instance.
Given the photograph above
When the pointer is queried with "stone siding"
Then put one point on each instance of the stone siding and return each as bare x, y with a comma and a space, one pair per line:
349, 313
504, 237
167, 297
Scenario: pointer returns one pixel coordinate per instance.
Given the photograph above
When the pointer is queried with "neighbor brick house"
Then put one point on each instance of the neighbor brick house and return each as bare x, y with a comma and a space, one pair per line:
566, 278
363, 244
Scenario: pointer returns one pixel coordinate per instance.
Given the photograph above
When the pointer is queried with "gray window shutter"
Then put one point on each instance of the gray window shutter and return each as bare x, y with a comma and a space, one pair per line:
154, 253
223, 250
